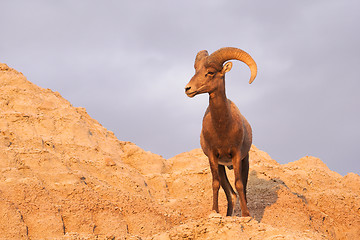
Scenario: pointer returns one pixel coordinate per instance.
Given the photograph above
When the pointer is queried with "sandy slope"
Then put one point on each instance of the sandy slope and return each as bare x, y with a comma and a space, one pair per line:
64, 176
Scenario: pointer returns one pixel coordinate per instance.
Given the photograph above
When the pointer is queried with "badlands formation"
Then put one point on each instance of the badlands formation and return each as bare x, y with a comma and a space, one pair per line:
64, 176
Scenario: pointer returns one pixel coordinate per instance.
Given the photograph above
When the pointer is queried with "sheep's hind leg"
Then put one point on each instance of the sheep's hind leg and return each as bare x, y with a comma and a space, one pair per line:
245, 173
229, 191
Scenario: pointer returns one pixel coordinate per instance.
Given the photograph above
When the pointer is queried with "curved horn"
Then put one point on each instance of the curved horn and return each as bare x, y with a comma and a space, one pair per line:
224, 54
200, 55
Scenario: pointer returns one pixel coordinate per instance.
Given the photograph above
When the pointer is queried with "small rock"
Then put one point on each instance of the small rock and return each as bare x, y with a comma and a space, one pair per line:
109, 162
162, 236
215, 215
245, 219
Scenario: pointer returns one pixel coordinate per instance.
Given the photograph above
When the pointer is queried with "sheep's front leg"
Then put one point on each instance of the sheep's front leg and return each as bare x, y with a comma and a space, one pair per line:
215, 181
240, 184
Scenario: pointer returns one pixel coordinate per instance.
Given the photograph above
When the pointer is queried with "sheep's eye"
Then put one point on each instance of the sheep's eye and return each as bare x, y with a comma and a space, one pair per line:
209, 73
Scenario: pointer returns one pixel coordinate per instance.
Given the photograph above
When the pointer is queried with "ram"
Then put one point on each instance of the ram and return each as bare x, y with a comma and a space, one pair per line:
226, 135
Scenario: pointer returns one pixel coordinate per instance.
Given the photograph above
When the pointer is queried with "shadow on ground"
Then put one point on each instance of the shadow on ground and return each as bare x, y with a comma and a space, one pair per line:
261, 193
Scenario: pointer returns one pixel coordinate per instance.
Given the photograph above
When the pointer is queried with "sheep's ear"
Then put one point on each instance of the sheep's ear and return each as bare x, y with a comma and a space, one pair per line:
227, 67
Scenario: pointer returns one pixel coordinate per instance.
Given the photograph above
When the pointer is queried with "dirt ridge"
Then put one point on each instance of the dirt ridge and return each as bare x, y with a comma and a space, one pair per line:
64, 176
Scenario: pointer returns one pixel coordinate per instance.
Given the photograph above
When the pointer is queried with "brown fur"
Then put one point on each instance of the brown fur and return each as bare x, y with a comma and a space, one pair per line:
226, 135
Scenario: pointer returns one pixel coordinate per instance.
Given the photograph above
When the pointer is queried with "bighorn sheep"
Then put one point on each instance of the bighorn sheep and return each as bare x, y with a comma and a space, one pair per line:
226, 135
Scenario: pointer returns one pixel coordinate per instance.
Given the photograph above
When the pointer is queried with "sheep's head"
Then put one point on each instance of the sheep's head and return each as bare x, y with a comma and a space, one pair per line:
210, 70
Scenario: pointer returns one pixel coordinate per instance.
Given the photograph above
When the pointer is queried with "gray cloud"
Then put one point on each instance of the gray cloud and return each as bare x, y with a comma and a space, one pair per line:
128, 62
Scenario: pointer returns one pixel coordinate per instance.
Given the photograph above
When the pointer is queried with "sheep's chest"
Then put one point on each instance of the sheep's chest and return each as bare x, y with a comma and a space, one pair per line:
223, 148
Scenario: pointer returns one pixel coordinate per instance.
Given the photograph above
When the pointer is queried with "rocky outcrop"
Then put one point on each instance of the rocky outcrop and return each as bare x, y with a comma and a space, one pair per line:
64, 176
63, 173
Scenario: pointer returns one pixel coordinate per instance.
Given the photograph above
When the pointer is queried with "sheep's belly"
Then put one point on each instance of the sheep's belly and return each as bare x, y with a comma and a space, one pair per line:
225, 161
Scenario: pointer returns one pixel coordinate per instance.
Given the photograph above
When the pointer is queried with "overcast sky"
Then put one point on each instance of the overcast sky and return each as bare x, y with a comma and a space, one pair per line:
127, 63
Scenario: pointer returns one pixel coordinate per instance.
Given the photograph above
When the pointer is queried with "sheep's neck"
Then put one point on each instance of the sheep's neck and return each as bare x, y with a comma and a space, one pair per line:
220, 110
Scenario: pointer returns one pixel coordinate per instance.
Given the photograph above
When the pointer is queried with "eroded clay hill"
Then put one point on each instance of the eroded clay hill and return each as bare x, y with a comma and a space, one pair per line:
64, 176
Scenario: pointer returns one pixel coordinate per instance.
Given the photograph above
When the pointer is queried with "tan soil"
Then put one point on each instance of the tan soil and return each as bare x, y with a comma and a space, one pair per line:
64, 176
